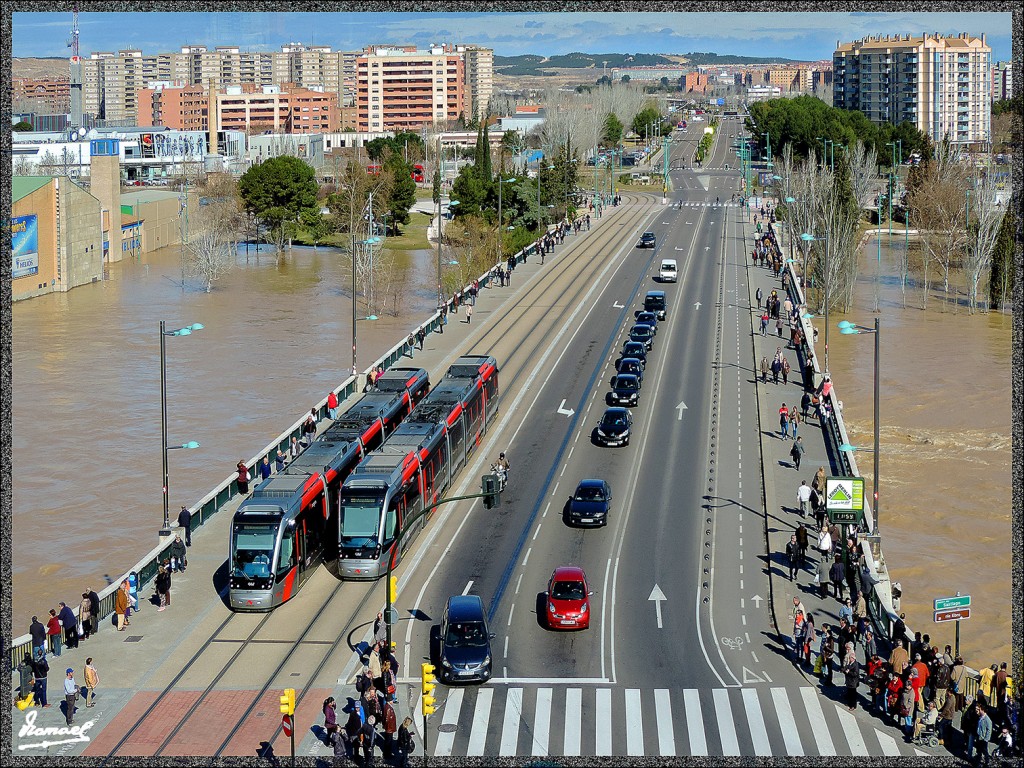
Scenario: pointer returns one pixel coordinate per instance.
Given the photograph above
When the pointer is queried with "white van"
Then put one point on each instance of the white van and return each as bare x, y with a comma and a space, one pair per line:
668, 271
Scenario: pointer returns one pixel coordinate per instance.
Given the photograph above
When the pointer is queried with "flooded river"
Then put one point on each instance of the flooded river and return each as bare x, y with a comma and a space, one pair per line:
86, 407
945, 486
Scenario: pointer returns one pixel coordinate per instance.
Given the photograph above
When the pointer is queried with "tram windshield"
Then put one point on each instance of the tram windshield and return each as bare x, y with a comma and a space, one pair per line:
360, 517
254, 550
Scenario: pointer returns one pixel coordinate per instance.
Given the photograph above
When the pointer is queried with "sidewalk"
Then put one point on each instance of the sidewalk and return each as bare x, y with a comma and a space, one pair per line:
133, 665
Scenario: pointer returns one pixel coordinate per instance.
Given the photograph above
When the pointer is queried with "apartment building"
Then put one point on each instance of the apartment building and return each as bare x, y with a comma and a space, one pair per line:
284, 109
51, 93
941, 84
184, 108
695, 82
479, 79
1002, 81
403, 88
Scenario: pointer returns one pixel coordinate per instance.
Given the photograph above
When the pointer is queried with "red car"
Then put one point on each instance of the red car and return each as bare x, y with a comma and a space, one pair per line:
568, 601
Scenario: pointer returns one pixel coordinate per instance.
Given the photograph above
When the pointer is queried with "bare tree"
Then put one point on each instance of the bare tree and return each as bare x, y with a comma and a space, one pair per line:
862, 172
981, 237
209, 253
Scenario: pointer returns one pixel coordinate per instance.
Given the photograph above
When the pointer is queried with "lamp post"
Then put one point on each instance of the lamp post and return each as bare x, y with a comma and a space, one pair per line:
848, 328
164, 333
501, 222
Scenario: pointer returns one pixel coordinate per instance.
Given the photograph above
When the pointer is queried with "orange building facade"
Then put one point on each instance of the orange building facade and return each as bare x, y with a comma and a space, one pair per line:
402, 88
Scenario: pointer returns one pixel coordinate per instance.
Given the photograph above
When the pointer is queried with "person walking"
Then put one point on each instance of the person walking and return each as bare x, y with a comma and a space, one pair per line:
121, 607
824, 543
243, 477
469, 314
92, 680
946, 714
778, 326
822, 576
185, 517
783, 422
70, 694
776, 370
162, 587
764, 369
309, 425
851, 672
793, 556
94, 601
803, 542
794, 415
53, 632
404, 745
983, 734
69, 624
759, 295
85, 615
40, 669
803, 496
421, 336
796, 452
764, 323
38, 633
837, 573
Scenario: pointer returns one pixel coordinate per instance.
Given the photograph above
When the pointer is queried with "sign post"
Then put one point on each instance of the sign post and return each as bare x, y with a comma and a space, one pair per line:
844, 504
955, 609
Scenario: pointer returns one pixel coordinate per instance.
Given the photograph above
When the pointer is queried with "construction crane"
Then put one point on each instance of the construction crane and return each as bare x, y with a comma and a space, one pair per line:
73, 40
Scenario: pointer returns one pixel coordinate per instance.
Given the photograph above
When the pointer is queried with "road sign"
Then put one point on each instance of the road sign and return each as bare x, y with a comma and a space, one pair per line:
948, 603
955, 614
286, 725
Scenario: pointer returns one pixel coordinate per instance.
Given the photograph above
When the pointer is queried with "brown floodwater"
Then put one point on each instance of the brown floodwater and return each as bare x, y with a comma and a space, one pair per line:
945, 490
86, 456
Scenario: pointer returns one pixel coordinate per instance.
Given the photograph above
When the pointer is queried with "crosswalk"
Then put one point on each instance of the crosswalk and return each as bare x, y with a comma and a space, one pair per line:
706, 204
540, 721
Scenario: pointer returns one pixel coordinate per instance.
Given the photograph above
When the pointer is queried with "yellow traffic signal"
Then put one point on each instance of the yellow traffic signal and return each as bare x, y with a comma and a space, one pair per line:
393, 590
288, 702
427, 682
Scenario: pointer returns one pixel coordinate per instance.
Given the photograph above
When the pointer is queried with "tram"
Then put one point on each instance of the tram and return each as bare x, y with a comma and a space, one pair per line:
414, 467
280, 533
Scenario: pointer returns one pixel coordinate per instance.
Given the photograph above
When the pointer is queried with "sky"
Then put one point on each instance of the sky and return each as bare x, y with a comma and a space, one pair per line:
802, 36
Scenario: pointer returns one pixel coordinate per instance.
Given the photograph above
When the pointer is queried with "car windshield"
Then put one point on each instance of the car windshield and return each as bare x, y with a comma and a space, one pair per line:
641, 330
469, 634
613, 420
568, 590
634, 349
590, 493
646, 317
625, 382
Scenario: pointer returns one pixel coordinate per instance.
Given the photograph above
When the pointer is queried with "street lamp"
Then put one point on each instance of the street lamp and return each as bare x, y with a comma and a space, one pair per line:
501, 221
164, 333
810, 238
848, 328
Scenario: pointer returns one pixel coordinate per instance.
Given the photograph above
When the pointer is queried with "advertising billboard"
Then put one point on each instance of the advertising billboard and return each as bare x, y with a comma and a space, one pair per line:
24, 246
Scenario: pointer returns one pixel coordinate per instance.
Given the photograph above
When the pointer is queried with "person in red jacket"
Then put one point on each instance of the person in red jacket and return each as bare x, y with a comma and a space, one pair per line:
332, 406
53, 631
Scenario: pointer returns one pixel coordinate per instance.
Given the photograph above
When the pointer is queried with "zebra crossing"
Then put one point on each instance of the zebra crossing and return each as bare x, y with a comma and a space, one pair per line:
707, 204
540, 721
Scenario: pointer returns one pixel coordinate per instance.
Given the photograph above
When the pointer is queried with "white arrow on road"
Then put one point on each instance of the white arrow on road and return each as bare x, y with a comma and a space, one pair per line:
681, 407
657, 596
678, 248
562, 410
619, 306
696, 305
707, 247
756, 600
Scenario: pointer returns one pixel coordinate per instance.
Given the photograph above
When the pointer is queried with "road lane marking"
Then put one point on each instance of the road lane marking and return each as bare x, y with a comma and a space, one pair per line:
634, 723
542, 722
505, 654
510, 611
510, 725
573, 718
819, 728
481, 716
784, 713
758, 734
663, 717
726, 726
452, 709
518, 582
853, 735
603, 715
468, 587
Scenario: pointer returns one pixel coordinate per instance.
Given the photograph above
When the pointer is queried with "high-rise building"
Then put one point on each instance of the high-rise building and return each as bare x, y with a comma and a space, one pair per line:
940, 84
1002, 81
479, 79
403, 88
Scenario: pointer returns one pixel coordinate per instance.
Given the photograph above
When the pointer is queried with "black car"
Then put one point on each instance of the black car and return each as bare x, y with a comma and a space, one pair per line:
590, 503
631, 365
654, 302
615, 427
644, 317
465, 642
642, 333
625, 390
647, 240
635, 349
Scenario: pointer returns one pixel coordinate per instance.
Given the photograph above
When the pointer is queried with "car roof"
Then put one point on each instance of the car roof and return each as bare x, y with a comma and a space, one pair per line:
465, 608
640, 327
656, 293
591, 482
625, 377
634, 360
616, 411
569, 573
668, 261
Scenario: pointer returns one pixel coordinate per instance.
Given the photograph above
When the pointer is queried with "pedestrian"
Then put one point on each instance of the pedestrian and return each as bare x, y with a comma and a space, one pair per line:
899, 658
162, 587
332, 405
827, 651
265, 468
390, 729
243, 477
798, 633
367, 740
796, 452
805, 404
783, 422
279, 463
421, 336
469, 314
776, 370
369, 383
69, 624
40, 669
26, 679
778, 326
851, 671
946, 714
376, 670
38, 632
794, 415
330, 718
53, 632
984, 734
793, 556
404, 744
785, 371
759, 295
837, 573
121, 607
870, 647
70, 694
818, 483
85, 615
940, 682
803, 542
94, 601
185, 517
803, 496
809, 638
821, 577
824, 543
92, 680
294, 449
309, 426
988, 676
410, 344
764, 369
764, 323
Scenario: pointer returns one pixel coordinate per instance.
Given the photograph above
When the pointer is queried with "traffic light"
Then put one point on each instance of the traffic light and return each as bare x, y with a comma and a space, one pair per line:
288, 702
393, 590
427, 683
492, 490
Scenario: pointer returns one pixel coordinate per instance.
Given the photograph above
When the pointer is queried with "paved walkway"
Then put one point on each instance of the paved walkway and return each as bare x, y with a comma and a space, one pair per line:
133, 665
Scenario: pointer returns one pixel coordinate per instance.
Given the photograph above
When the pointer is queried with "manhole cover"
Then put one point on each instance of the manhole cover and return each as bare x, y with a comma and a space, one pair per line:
133, 638
447, 728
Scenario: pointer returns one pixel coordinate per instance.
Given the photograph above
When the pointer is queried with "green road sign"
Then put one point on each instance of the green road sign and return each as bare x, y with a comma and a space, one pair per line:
950, 603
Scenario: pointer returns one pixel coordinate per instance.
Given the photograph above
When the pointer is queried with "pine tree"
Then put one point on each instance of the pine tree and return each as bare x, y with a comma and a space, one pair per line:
485, 149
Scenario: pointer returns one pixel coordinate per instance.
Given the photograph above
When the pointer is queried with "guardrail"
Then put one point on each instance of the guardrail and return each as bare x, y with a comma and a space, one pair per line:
147, 568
